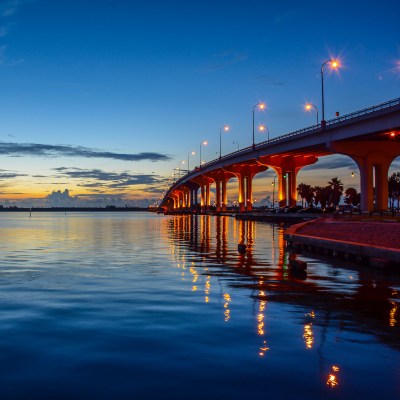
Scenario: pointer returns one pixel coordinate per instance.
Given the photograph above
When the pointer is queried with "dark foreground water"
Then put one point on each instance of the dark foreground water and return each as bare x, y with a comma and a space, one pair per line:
140, 306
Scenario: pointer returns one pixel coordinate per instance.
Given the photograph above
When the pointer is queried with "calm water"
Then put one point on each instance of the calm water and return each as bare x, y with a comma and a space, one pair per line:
139, 306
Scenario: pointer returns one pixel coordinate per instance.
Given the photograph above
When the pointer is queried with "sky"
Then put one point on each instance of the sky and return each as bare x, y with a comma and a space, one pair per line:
102, 100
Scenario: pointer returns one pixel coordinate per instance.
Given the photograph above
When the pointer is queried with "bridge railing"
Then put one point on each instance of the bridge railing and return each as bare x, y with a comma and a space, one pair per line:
308, 130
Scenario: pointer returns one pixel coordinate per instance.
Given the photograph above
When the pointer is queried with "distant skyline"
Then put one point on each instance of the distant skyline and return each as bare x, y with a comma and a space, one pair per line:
105, 98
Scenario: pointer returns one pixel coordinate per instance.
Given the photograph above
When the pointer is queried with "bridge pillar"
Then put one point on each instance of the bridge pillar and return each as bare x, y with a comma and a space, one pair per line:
218, 195
245, 174
204, 183
221, 178
175, 201
373, 159
287, 168
224, 194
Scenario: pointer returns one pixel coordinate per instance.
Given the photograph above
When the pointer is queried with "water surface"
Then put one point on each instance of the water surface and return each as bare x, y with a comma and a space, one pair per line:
138, 305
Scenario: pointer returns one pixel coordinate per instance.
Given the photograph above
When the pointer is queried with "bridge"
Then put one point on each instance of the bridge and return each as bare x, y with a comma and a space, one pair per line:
371, 137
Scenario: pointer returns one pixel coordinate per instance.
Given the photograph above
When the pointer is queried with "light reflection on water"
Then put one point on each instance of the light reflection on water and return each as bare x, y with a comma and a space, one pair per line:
136, 305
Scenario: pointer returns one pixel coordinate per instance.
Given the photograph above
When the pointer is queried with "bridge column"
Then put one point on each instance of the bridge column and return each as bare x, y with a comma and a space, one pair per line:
220, 177
224, 194
245, 174
371, 156
203, 183
208, 200
287, 168
249, 193
218, 195
202, 198
282, 192
175, 201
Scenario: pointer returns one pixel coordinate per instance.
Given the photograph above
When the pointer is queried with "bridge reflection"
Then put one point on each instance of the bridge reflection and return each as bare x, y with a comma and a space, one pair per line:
332, 294
332, 301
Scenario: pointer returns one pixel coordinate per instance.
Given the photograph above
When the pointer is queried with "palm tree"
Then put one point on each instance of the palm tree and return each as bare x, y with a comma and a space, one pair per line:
336, 186
321, 195
306, 193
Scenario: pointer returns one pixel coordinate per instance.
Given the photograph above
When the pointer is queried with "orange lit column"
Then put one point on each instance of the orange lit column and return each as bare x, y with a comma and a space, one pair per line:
218, 195
372, 156
191, 194
245, 174
208, 200
220, 177
175, 199
249, 193
202, 198
204, 183
224, 194
287, 168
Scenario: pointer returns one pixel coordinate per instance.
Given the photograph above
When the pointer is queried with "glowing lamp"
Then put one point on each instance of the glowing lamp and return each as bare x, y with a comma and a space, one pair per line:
335, 64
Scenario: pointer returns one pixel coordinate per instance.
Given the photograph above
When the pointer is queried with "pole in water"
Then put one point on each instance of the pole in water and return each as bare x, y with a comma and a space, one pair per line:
242, 248
30, 213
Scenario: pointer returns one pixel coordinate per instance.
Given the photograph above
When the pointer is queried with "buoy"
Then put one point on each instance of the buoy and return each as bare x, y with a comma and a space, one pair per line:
297, 264
242, 248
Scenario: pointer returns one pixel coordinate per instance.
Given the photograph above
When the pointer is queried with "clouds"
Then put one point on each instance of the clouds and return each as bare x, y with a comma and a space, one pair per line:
9, 175
333, 162
99, 179
49, 151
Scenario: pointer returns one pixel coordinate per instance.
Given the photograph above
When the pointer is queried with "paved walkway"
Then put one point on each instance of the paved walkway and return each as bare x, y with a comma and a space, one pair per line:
375, 241
374, 233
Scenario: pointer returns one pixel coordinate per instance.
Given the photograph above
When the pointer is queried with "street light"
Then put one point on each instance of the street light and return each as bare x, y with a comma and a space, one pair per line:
263, 128
352, 174
202, 143
273, 193
237, 144
334, 65
225, 128
191, 153
261, 106
309, 106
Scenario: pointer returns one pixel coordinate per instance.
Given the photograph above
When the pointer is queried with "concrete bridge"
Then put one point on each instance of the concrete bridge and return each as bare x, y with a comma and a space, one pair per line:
371, 137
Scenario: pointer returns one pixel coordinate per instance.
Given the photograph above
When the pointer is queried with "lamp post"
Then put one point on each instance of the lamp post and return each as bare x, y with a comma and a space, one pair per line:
202, 143
225, 128
263, 128
261, 106
191, 153
237, 144
309, 106
334, 65
273, 192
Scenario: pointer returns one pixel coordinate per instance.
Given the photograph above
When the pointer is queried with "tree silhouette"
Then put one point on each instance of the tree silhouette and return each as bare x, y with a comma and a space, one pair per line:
322, 195
351, 197
394, 189
336, 186
306, 193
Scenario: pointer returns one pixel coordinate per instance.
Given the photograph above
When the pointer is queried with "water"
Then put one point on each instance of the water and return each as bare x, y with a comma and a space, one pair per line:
139, 306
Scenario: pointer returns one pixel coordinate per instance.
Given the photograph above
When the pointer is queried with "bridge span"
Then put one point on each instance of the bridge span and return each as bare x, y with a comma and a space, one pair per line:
371, 137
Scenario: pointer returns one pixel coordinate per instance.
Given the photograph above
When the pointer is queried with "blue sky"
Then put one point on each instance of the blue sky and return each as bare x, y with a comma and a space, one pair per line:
105, 98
